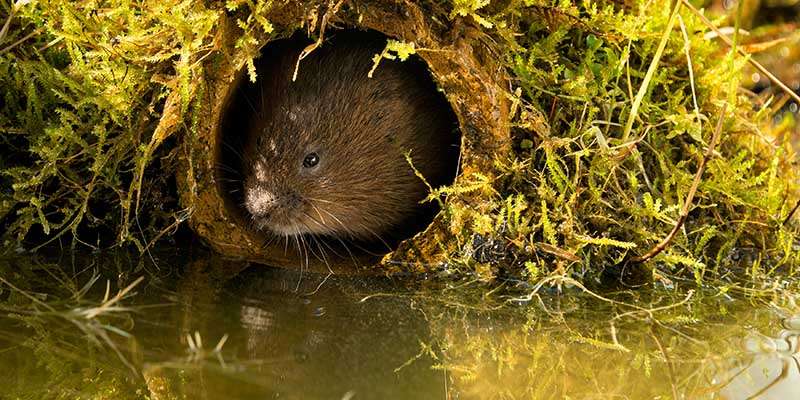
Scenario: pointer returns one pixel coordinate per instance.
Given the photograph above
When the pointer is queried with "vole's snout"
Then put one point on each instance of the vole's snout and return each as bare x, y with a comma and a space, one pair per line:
259, 202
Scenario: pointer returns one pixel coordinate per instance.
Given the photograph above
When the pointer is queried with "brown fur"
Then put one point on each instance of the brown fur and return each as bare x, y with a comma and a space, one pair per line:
363, 187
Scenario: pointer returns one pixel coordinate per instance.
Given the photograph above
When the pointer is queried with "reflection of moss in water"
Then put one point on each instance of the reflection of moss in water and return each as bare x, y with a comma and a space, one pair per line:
83, 144
50, 348
587, 350
480, 346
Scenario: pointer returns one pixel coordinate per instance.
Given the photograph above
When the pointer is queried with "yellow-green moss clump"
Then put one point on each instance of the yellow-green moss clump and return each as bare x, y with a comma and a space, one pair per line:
608, 122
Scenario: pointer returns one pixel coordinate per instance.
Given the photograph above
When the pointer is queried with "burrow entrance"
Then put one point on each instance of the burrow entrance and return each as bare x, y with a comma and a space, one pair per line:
250, 101
466, 70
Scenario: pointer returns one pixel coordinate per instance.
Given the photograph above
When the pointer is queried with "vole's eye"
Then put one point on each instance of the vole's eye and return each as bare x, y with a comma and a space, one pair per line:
311, 160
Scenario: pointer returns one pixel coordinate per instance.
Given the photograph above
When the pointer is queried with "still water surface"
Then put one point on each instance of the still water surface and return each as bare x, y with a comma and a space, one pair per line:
215, 329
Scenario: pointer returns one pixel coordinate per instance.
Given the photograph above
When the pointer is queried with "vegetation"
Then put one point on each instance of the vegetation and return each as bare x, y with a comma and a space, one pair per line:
598, 180
645, 150
614, 110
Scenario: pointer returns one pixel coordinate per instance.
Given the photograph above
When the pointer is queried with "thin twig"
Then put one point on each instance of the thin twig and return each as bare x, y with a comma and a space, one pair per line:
28, 295
670, 370
332, 10
26, 37
742, 52
560, 279
791, 213
95, 311
687, 50
181, 217
689, 196
4, 29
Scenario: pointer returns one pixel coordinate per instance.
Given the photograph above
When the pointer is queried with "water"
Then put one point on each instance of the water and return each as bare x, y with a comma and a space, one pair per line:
215, 329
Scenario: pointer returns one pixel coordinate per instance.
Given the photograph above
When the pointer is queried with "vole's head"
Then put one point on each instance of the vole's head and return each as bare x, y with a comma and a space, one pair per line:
319, 169
326, 154
287, 173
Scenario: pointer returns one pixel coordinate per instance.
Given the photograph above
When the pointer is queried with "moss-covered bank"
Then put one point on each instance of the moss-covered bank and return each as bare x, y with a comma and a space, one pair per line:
611, 109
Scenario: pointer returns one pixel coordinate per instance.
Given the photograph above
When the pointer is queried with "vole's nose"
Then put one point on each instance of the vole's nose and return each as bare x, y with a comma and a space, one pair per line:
259, 202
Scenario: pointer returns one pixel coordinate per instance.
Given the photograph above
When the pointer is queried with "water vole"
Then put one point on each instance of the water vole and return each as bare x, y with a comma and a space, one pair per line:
326, 154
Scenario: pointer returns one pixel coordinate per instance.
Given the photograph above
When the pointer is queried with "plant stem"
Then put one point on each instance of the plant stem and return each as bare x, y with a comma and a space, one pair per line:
637, 102
689, 196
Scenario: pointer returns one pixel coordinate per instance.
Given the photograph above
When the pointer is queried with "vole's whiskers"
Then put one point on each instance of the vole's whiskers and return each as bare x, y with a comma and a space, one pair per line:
299, 253
233, 150
324, 242
372, 232
249, 103
346, 228
347, 249
313, 239
271, 238
321, 221
321, 200
350, 231
304, 253
228, 168
311, 235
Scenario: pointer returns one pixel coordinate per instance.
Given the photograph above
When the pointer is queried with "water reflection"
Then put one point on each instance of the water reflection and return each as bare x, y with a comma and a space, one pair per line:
293, 337
220, 331
770, 368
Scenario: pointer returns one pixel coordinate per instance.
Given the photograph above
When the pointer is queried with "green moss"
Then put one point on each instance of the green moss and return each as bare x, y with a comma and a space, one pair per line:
590, 182
82, 97
603, 195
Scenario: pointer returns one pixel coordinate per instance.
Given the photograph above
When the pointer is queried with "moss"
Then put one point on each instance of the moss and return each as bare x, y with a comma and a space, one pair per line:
82, 97
583, 195
99, 100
